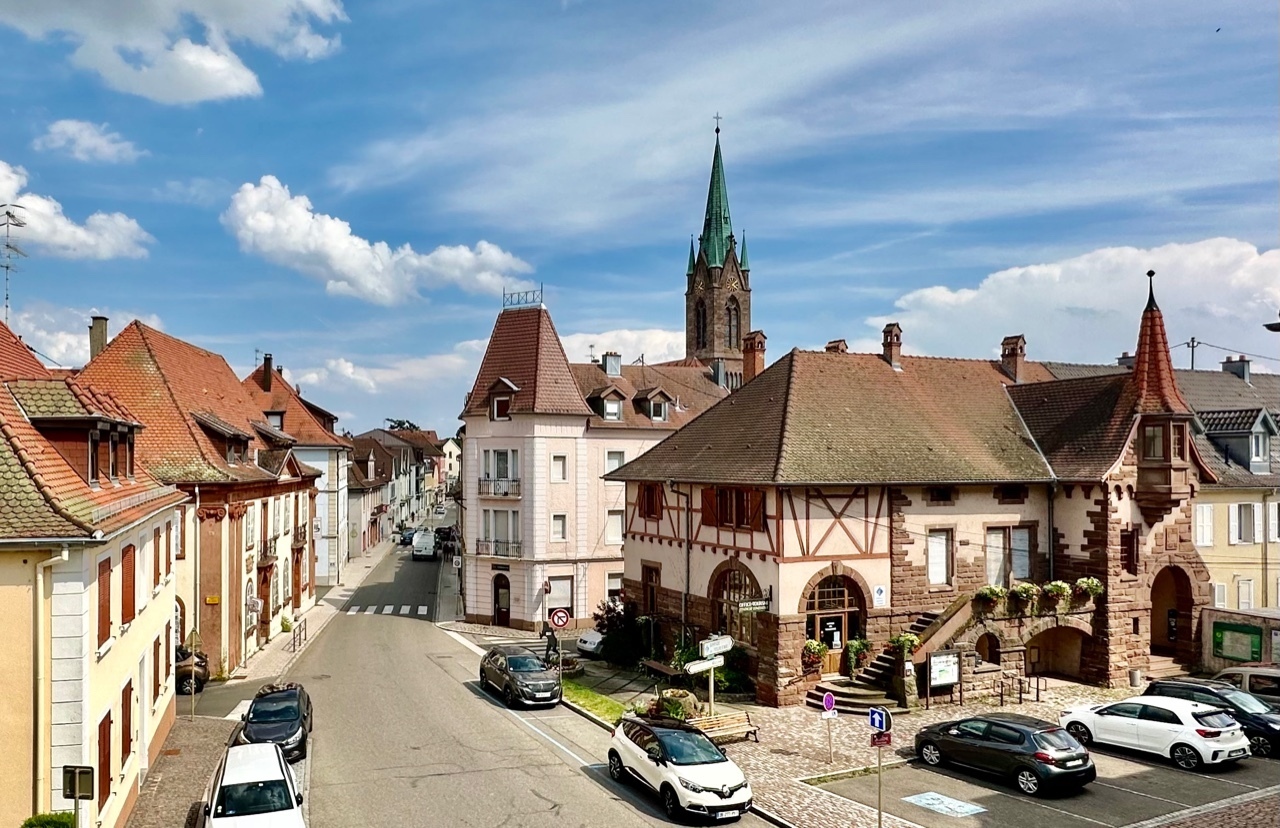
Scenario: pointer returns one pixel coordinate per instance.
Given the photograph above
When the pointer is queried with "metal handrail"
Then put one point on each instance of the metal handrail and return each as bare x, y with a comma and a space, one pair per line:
298, 634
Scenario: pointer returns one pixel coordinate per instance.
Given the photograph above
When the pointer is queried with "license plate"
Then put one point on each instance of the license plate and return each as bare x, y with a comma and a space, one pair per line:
543, 695
1239, 752
1071, 763
727, 814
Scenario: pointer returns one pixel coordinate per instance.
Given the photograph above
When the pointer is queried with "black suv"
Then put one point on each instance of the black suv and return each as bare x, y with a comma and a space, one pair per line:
1260, 721
279, 713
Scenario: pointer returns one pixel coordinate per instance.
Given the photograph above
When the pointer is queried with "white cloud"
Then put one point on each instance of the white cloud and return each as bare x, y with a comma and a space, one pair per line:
1087, 308
61, 333
147, 48
102, 236
268, 221
84, 141
198, 191
655, 345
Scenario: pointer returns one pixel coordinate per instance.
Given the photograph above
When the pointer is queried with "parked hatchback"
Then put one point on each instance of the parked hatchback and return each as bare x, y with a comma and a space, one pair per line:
519, 675
1188, 732
253, 785
680, 764
1261, 723
1033, 754
281, 714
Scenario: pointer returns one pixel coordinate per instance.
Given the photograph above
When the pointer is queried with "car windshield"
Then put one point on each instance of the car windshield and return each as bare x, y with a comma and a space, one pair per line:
1246, 702
273, 710
252, 798
1056, 739
1214, 718
525, 664
688, 748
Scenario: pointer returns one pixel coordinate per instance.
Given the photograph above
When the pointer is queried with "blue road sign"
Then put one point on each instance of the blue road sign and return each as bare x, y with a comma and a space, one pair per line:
880, 719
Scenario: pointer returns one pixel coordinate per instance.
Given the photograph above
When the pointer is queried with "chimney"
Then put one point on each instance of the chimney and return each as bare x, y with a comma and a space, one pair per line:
837, 346
1239, 367
267, 371
752, 355
613, 363
1125, 360
1013, 355
893, 345
97, 335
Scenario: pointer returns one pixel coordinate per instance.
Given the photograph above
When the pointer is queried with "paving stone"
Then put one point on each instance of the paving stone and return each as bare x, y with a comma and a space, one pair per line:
175, 784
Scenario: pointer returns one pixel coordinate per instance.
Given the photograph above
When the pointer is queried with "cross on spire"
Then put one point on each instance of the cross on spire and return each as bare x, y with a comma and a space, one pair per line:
717, 120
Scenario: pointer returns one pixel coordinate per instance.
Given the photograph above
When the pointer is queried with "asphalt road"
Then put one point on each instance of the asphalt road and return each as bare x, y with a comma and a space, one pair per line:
1131, 789
404, 735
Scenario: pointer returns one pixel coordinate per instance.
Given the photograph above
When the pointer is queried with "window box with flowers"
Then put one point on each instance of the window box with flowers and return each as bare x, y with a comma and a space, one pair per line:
1054, 592
904, 644
1023, 595
1086, 588
811, 656
987, 597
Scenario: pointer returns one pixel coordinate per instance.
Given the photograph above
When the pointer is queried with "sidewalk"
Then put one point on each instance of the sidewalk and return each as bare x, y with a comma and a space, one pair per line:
174, 789
274, 660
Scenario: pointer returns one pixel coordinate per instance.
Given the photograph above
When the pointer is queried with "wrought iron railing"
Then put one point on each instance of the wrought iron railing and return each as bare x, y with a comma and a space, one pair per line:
499, 548
499, 487
101, 513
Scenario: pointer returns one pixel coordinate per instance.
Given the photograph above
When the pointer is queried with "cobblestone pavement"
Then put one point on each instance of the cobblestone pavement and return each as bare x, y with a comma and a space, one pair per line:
175, 784
1261, 813
486, 631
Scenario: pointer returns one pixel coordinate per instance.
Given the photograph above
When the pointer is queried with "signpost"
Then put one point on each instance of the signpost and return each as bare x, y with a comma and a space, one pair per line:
943, 668
193, 644
715, 645
881, 721
713, 650
77, 784
559, 620
829, 713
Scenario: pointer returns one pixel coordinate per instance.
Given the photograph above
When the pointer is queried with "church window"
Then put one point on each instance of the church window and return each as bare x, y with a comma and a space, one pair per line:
700, 324
733, 326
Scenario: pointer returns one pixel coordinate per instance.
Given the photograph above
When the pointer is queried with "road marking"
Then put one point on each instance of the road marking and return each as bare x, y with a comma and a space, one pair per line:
238, 711
422, 610
1209, 807
1140, 793
541, 733
404, 610
388, 609
1051, 808
370, 610
461, 639
1170, 766
353, 611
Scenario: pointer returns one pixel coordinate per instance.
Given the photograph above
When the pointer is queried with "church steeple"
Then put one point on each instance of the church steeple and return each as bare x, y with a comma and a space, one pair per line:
1153, 378
717, 228
693, 258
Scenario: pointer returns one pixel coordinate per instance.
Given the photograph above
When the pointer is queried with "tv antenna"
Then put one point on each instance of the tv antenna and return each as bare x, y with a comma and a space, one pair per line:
10, 252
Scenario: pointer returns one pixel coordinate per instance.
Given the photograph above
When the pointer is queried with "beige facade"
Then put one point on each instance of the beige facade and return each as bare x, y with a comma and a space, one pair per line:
1237, 533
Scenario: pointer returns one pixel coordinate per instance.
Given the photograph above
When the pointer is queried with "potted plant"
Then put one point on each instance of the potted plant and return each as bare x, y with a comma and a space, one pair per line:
812, 654
1024, 594
904, 644
1055, 590
990, 595
857, 652
1087, 587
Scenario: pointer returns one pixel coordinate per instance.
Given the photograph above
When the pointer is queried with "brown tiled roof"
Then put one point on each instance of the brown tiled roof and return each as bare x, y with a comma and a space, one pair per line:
1229, 422
1233, 475
833, 418
1078, 370
301, 419
165, 381
1155, 389
525, 350
425, 440
362, 447
273, 435
1081, 425
692, 386
46, 398
16, 359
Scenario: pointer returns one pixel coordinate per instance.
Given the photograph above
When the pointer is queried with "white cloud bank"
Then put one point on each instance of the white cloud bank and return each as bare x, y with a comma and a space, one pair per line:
102, 236
61, 333
1087, 308
268, 221
147, 48
84, 141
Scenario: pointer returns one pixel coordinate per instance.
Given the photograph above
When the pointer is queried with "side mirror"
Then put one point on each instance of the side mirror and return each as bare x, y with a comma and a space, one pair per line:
206, 809
244, 717
297, 798
953, 732
723, 752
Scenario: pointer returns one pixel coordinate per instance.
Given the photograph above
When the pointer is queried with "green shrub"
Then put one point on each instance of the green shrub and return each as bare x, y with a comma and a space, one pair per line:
623, 643
62, 819
286, 624
905, 643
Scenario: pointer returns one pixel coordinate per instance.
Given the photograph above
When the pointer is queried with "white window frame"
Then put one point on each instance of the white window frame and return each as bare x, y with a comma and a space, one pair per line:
610, 456
613, 409
493, 408
1258, 446
1244, 594
275, 419
1273, 521
658, 411
1237, 526
1219, 595
1203, 520
563, 520
609, 518
938, 542
563, 476
608, 581
553, 603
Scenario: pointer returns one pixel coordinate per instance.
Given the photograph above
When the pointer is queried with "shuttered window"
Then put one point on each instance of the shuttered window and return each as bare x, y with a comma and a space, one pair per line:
104, 761
126, 723
709, 507
104, 600
168, 546
734, 508
997, 559
155, 557
155, 671
168, 649
128, 587
1204, 524
182, 532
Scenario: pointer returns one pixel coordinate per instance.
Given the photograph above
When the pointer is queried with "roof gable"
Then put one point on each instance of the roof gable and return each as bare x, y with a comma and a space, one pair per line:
302, 420
524, 350
16, 359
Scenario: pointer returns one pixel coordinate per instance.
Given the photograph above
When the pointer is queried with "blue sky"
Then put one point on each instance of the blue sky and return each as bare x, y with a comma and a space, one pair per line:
350, 186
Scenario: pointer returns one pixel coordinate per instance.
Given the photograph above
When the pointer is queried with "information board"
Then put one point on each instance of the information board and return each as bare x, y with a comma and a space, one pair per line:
1237, 642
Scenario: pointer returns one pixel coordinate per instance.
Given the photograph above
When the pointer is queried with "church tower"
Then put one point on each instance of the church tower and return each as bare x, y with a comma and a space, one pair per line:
718, 296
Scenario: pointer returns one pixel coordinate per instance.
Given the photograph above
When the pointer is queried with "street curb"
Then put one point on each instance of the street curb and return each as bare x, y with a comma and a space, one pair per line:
771, 818
1208, 808
817, 780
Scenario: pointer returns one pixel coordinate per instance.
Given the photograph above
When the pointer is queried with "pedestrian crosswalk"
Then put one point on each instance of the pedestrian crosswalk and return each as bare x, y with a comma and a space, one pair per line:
389, 609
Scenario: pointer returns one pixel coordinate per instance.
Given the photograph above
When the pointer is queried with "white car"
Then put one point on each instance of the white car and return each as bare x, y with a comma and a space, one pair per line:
590, 642
1190, 733
253, 787
689, 773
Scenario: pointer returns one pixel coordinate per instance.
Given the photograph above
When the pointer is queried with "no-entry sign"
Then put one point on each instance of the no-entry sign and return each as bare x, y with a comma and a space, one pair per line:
559, 618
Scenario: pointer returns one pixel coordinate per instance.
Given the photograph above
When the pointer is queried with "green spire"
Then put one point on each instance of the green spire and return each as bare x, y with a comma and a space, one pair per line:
743, 264
716, 227
692, 257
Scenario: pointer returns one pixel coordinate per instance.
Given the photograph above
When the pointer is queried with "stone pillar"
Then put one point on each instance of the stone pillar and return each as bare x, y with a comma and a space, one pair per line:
779, 677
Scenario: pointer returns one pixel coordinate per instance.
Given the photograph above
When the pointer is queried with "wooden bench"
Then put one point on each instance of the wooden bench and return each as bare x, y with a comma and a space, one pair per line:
660, 668
727, 724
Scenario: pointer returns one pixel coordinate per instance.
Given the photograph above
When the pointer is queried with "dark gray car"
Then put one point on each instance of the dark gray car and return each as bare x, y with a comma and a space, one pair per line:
519, 675
1033, 754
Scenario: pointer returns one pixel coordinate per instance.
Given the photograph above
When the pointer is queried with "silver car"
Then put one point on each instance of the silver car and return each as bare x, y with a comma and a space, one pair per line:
1262, 681
519, 675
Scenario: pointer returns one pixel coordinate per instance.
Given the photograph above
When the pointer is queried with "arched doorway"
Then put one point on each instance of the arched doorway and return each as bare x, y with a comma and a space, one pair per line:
1171, 605
501, 601
988, 648
835, 611
1056, 651
731, 587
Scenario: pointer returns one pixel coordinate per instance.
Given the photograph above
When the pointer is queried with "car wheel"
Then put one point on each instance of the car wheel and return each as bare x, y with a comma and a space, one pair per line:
1186, 757
508, 697
617, 771
931, 754
484, 685
188, 686
1260, 745
671, 803
1028, 781
1080, 733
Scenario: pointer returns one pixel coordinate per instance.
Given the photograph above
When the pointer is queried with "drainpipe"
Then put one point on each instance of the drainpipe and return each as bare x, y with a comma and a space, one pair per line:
41, 770
195, 574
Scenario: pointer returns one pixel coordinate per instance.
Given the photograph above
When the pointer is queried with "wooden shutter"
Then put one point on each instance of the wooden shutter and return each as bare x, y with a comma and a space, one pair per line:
1257, 523
757, 510
182, 532
104, 600
1233, 523
126, 722
104, 761
709, 517
155, 557
128, 587
168, 546
168, 650
996, 554
155, 671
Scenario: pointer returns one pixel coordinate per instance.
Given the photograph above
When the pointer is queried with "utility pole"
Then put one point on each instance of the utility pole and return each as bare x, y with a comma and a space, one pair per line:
1193, 344
9, 251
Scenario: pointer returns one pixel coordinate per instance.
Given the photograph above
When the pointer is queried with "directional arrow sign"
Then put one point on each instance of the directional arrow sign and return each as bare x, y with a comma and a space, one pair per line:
880, 719
704, 665
715, 645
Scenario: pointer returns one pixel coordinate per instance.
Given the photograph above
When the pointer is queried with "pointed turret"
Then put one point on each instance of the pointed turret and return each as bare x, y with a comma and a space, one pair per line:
717, 229
693, 257
1153, 378
743, 264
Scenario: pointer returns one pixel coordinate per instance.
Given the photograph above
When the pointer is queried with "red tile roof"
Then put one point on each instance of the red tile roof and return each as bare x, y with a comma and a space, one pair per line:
525, 350
424, 440
689, 385
16, 359
299, 421
1155, 388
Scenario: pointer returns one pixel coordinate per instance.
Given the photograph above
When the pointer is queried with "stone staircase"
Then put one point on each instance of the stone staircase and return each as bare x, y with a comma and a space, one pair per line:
1165, 667
878, 675
851, 698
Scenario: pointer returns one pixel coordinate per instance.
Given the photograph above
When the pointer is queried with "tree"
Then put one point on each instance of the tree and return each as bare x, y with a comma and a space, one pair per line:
401, 425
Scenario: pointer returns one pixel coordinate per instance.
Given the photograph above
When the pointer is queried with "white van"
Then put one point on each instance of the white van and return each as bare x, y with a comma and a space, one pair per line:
424, 545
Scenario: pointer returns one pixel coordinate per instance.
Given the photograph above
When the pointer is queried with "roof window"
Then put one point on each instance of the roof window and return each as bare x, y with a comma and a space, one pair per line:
613, 409
500, 409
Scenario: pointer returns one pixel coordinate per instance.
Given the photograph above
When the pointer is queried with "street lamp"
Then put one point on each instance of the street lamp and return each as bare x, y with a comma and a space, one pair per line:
688, 553
1274, 327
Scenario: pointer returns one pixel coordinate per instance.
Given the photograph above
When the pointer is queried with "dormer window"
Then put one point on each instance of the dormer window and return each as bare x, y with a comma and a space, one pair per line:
1259, 447
93, 458
613, 409
237, 450
275, 419
1153, 442
501, 409
128, 455
113, 456
658, 411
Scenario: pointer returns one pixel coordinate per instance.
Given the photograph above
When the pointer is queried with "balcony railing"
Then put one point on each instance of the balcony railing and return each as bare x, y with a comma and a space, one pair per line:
499, 487
498, 548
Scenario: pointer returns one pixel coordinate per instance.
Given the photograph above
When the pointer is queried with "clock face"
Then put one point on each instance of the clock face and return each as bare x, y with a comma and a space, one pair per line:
698, 285
732, 284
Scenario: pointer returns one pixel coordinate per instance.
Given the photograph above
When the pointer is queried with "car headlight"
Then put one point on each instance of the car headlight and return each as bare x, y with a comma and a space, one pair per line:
691, 786
295, 738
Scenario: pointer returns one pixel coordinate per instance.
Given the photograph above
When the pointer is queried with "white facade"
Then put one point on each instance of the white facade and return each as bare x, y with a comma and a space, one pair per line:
452, 461
331, 526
